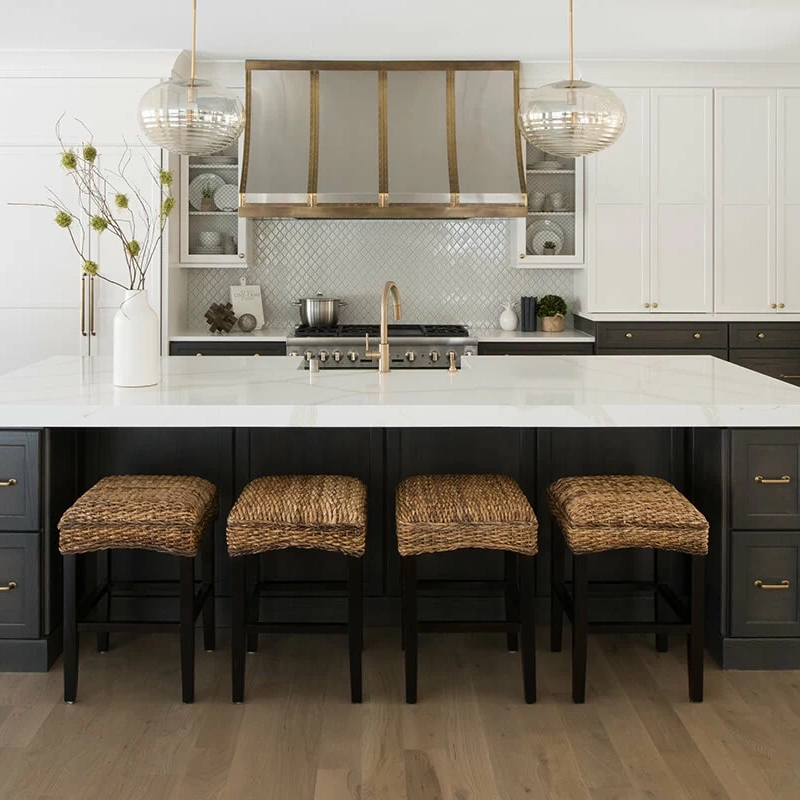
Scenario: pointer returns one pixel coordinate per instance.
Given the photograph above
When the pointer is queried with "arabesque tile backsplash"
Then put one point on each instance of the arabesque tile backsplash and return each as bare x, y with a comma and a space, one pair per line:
447, 271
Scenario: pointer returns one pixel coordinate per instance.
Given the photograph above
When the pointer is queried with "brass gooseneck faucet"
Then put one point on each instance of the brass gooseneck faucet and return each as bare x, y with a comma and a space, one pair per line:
382, 353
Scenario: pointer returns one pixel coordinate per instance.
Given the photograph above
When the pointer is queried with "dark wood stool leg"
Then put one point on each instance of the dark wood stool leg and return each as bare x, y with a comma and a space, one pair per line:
512, 593
695, 640
238, 612
70, 654
102, 636
662, 639
556, 580
208, 572
528, 630
580, 626
355, 624
252, 610
187, 628
410, 625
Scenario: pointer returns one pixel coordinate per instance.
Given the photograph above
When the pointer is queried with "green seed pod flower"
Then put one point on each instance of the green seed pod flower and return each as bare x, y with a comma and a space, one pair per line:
69, 160
121, 201
133, 247
90, 267
89, 153
63, 219
167, 206
98, 224
165, 177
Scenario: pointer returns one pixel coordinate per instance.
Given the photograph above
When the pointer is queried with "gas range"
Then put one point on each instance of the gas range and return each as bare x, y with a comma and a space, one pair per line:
411, 346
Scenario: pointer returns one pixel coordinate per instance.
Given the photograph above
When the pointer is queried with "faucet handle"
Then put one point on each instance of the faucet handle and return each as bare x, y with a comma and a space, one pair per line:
373, 354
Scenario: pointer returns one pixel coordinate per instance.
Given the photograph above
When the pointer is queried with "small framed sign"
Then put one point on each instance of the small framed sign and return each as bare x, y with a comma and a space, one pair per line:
247, 300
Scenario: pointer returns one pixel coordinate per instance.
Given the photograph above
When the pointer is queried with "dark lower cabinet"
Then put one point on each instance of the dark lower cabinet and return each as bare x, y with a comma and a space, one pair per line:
765, 570
644, 351
781, 364
223, 348
535, 348
700, 336
20, 585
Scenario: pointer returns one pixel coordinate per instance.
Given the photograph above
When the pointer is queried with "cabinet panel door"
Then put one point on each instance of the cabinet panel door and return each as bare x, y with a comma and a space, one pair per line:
745, 200
681, 194
788, 250
619, 228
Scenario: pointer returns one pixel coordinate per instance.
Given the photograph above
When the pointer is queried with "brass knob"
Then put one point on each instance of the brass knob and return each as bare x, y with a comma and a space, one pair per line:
655, 305
761, 336
10, 586
647, 305
697, 336
629, 335
256, 355
9, 482
522, 255
781, 305
198, 354
241, 255
773, 305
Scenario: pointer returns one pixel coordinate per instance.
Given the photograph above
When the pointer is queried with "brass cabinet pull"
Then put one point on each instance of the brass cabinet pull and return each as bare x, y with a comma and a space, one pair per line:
9, 482
781, 305
760, 336
782, 479
9, 587
522, 255
697, 336
773, 305
241, 255
92, 331
759, 584
83, 305
629, 335
655, 305
790, 377
647, 305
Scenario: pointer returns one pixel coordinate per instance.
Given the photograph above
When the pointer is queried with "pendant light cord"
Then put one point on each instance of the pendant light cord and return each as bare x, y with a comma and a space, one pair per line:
194, 40
571, 50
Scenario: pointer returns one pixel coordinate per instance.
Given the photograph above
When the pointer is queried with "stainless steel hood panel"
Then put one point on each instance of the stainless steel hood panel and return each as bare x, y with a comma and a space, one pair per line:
382, 139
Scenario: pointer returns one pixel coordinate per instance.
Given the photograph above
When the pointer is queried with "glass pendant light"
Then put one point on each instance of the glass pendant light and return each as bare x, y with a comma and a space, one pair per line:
194, 117
572, 118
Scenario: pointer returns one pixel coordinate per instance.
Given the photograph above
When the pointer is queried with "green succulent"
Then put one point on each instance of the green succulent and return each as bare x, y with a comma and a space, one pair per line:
121, 201
90, 267
69, 160
98, 223
551, 305
133, 247
167, 206
89, 153
63, 219
165, 177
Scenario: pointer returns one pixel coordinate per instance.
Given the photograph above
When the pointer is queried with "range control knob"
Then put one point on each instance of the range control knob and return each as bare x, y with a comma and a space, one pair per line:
323, 356
352, 356
308, 355
411, 356
337, 356
295, 353
434, 355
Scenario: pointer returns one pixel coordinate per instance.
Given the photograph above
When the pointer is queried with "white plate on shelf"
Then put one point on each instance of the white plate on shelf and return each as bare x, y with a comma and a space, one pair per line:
226, 198
197, 185
548, 165
541, 231
226, 160
207, 251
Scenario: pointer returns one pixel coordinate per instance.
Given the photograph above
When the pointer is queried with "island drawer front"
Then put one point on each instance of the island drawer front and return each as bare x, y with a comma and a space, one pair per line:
673, 351
765, 334
765, 569
765, 479
227, 349
535, 349
781, 364
19, 585
19, 481
663, 336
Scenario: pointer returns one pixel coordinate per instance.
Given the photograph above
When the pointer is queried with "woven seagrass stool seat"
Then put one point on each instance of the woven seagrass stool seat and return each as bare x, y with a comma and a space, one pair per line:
161, 513
442, 513
599, 513
310, 512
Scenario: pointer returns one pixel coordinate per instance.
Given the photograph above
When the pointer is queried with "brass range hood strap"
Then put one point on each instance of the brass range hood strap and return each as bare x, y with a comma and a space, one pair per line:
523, 184
452, 150
313, 139
248, 88
383, 139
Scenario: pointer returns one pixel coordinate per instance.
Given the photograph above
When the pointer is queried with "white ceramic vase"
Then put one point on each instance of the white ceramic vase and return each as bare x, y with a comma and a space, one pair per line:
509, 319
135, 342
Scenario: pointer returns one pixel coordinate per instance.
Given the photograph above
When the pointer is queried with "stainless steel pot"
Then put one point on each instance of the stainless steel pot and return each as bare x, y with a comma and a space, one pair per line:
319, 311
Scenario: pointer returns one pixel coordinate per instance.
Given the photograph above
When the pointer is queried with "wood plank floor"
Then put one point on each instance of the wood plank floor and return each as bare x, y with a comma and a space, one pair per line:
470, 737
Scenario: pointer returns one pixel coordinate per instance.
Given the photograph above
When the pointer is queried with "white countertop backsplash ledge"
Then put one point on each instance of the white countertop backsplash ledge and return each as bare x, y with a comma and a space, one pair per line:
524, 391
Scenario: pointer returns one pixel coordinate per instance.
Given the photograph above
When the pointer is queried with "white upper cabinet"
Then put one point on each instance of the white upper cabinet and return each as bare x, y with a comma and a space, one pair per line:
619, 214
745, 140
681, 200
788, 196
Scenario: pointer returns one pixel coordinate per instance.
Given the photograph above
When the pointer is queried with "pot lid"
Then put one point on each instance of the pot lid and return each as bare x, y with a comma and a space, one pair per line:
320, 298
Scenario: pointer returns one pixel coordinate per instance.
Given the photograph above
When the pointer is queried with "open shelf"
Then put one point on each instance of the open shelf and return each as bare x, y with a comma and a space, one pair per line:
551, 171
213, 166
212, 213
550, 213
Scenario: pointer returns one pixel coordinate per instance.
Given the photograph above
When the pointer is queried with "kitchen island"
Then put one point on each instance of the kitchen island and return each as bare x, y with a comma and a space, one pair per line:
708, 426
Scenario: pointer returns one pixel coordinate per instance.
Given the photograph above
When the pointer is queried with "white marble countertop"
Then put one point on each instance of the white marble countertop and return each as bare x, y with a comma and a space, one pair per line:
525, 391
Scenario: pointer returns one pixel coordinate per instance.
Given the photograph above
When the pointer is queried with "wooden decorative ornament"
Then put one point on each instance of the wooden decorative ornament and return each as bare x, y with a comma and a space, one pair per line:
220, 317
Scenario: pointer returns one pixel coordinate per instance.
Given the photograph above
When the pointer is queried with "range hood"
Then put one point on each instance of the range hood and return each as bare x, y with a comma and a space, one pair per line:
382, 139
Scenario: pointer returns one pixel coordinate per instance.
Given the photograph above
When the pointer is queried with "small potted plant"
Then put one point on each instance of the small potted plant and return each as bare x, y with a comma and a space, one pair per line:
549, 248
207, 199
551, 310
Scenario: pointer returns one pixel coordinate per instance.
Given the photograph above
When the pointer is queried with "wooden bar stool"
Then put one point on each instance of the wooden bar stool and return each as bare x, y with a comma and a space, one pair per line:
312, 512
441, 513
163, 513
610, 512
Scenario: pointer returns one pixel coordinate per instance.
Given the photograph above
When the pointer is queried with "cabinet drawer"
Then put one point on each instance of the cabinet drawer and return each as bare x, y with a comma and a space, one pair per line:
227, 349
664, 335
672, 351
19, 585
781, 364
765, 334
19, 481
765, 471
765, 568
535, 349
